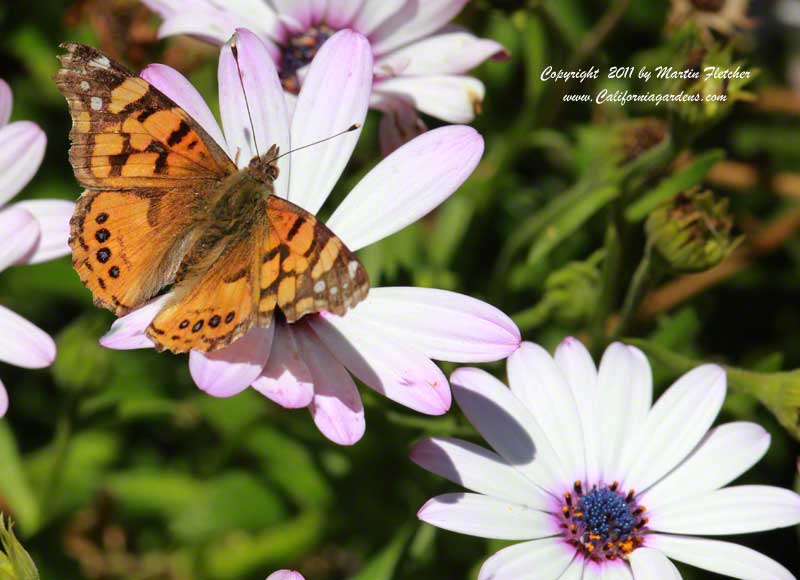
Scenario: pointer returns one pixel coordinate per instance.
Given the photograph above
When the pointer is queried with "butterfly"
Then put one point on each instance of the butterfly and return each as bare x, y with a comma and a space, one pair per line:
166, 206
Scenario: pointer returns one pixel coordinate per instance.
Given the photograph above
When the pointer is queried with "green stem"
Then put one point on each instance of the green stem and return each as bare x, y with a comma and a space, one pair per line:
534, 316
50, 490
641, 281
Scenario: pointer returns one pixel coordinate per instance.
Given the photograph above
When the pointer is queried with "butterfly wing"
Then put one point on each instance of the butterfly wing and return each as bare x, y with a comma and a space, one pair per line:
305, 268
150, 170
283, 257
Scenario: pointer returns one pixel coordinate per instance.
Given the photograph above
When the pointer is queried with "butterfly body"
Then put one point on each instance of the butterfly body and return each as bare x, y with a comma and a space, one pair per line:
165, 207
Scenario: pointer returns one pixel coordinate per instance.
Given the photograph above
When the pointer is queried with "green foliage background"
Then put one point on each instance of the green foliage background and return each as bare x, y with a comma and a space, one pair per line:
114, 460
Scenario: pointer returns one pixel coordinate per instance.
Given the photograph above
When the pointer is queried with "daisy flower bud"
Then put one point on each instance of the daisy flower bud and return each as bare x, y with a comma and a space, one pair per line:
692, 232
15, 563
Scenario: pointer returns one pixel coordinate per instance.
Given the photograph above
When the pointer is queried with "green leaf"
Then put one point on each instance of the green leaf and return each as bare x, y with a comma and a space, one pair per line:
384, 564
569, 220
15, 488
685, 179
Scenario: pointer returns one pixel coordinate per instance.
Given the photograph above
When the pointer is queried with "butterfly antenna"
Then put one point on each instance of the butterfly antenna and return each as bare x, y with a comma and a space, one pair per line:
235, 52
352, 127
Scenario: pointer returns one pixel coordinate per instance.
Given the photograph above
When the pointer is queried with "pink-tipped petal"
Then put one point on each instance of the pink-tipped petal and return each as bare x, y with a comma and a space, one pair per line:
732, 449
721, 557
178, 88
342, 12
538, 383
676, 424
22, 343
53, 217
285, 378
128, 332
3, 400
451, 98
336, 408
487, 517
245, 64
740, 509
407, 185
373, 14
19, 236
549, 557
442, 325
508, 427
451, 53
230, 370
478, 469
417, 19
285, 575
395, 370
6, 103
305, 12
650, 564
22, 146
334, 97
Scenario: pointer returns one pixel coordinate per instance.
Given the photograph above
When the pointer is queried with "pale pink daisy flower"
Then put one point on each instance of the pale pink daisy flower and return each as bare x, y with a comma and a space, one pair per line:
420, 63
285, 575
600, 483
32, 232
389, 339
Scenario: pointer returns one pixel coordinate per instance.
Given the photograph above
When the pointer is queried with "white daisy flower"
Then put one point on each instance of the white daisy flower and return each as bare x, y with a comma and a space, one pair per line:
598, 483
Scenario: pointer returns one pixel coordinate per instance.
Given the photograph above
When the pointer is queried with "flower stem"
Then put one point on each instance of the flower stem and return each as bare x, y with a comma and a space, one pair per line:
642, 279
49, 499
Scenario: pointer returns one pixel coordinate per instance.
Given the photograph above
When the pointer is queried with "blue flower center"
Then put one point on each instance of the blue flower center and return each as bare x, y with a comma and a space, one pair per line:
299, 51
603, 523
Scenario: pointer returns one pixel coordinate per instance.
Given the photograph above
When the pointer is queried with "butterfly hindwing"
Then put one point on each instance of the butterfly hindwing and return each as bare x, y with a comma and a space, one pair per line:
126, 134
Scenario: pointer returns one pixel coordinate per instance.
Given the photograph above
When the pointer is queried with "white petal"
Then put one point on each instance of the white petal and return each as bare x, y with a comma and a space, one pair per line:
650, 564
407, 185
6, 103
336, 408
625, 390
509, 428
341, 13
395, 370
230, 370
487, 517
374, 13
536, 381
578, 367
128, 332
286, 379
451, 98
451, 53
535, 560
3, 400
19, 236
676, 424
574, 571
22, 146
285, 575
442, 325
417, 19
731, 510
23, 344
720, 557
725, 453
479, 470
178, 88
616, 570
260, 106
334, 97
53, 217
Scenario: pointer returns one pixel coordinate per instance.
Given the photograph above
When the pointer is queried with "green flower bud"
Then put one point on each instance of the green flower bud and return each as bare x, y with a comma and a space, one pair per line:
15, 563
639, 136
692, 232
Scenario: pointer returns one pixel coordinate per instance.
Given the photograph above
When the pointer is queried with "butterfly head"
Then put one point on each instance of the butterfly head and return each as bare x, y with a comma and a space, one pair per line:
264, 168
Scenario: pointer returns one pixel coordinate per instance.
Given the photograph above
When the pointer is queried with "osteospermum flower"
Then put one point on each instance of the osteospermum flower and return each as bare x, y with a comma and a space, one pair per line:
419, 65
599, 483
389, 339
31, 232
285, 575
